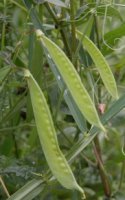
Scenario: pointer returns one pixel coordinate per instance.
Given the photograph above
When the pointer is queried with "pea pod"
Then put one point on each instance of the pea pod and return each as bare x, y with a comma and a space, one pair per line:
48, 139
72, 80
101, 64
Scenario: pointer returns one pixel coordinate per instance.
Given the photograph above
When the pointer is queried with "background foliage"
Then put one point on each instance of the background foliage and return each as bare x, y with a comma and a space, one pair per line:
100, 168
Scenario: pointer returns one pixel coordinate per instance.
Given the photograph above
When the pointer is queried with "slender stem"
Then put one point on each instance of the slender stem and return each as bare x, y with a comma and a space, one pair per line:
19, 5
27, 125
4, 187
97, 149
67, 48
102, 171
51, 12
122, 174
15, 146
80, 42
4, 26
122, 170
73, 28
98, 44
97, 30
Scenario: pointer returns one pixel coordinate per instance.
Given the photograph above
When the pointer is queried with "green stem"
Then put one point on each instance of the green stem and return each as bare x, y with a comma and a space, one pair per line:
68, 52
122, 174
97, 30
4, 27
26, 125
73, 28
122, 170
19, 5
98, 45
15, 146
4, 187
80, 42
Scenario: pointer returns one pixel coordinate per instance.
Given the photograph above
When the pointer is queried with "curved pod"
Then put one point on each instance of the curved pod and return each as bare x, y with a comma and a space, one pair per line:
48, 139
72, 80
101, 64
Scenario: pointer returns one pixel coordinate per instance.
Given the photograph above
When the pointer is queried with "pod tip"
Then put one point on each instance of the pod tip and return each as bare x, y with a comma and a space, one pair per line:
82, 192
39, 33
26, 73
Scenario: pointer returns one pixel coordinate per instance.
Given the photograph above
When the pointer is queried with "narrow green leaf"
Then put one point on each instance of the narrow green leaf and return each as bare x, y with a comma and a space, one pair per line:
28, 191
101, 64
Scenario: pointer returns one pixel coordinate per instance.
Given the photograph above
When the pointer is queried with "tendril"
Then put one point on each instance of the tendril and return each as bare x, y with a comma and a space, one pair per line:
103, 32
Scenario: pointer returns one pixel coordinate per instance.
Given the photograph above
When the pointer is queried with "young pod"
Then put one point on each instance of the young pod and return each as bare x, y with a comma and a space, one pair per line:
101, 64
72, 80
48, 138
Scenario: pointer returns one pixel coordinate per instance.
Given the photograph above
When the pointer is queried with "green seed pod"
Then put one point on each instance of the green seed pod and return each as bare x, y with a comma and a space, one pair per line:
48, 138
101, 64
72, 80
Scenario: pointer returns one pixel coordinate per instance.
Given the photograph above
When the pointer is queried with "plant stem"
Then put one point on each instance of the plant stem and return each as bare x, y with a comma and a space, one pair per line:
122, 174
19, 5
67, 48
73, 28
4, 187
15, 146
4, 27
97, 31
104, 178
98, 45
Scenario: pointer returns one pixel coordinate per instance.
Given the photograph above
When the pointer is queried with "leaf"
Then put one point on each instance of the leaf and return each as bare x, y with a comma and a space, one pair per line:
28, 191
111, 12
